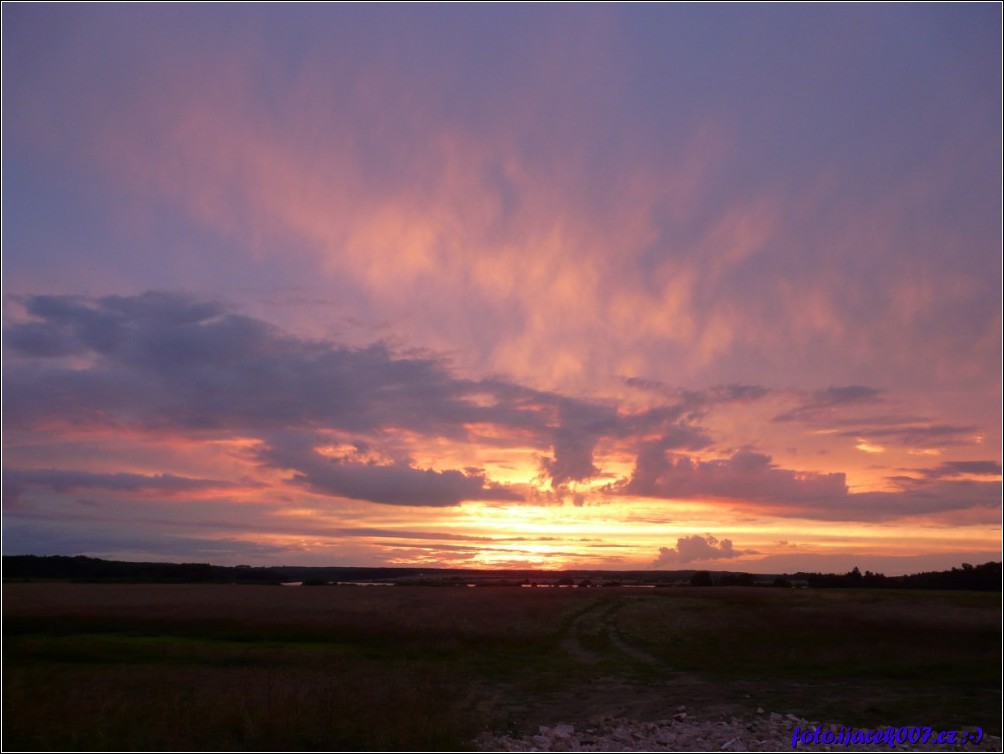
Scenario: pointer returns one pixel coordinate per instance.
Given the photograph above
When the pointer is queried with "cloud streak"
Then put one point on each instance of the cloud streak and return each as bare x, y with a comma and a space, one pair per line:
63, 480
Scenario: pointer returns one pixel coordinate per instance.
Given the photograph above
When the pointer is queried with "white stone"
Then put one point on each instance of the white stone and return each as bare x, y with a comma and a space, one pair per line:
563, 730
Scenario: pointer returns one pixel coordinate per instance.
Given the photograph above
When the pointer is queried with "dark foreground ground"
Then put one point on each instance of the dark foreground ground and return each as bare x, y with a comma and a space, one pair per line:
210, 667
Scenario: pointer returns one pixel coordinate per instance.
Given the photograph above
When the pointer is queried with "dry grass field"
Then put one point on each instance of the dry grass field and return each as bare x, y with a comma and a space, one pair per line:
218, 667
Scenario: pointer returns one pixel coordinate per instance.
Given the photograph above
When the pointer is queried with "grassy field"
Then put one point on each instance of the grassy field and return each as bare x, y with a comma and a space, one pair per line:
190, 667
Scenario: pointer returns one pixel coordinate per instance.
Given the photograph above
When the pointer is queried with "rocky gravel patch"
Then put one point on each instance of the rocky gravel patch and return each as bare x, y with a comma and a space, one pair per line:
765, 732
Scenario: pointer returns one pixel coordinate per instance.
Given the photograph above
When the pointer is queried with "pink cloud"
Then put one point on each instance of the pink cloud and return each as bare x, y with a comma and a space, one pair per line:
696, 548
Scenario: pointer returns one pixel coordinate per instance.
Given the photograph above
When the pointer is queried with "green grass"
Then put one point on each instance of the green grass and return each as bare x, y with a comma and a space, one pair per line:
866, 635
135, 691
870, 656
179, 667
259, 668
194, 707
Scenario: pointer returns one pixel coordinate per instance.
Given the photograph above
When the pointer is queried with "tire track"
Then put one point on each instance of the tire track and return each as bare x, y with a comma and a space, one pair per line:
571, 642
601, 620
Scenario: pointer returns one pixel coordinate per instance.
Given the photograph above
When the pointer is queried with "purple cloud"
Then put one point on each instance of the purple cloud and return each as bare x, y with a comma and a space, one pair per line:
753, 477
176, 364
396, 483
165, 362
975, 468
63, 480
823, 402
745, 476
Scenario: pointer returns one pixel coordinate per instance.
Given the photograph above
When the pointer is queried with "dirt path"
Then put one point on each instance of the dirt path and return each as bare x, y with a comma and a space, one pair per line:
571, 642
598, 625
618, 641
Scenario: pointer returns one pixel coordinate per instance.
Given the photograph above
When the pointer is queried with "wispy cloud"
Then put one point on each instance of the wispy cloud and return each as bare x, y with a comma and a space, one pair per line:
63, 480
821, 403
964, 468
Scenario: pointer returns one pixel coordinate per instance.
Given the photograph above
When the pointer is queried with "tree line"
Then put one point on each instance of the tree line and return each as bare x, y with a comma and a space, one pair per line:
985, 577
982, 578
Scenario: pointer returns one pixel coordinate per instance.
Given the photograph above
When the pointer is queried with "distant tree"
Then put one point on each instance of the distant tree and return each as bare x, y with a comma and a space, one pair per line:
736, 579
701, 578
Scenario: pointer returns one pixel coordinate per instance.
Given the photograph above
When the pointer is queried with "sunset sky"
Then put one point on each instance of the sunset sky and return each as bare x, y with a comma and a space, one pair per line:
558, 286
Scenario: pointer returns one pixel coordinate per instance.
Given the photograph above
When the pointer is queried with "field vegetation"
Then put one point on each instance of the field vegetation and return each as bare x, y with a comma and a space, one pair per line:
228, 667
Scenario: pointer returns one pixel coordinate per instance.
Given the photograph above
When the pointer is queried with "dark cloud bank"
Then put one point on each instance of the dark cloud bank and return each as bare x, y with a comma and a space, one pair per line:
178, 365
